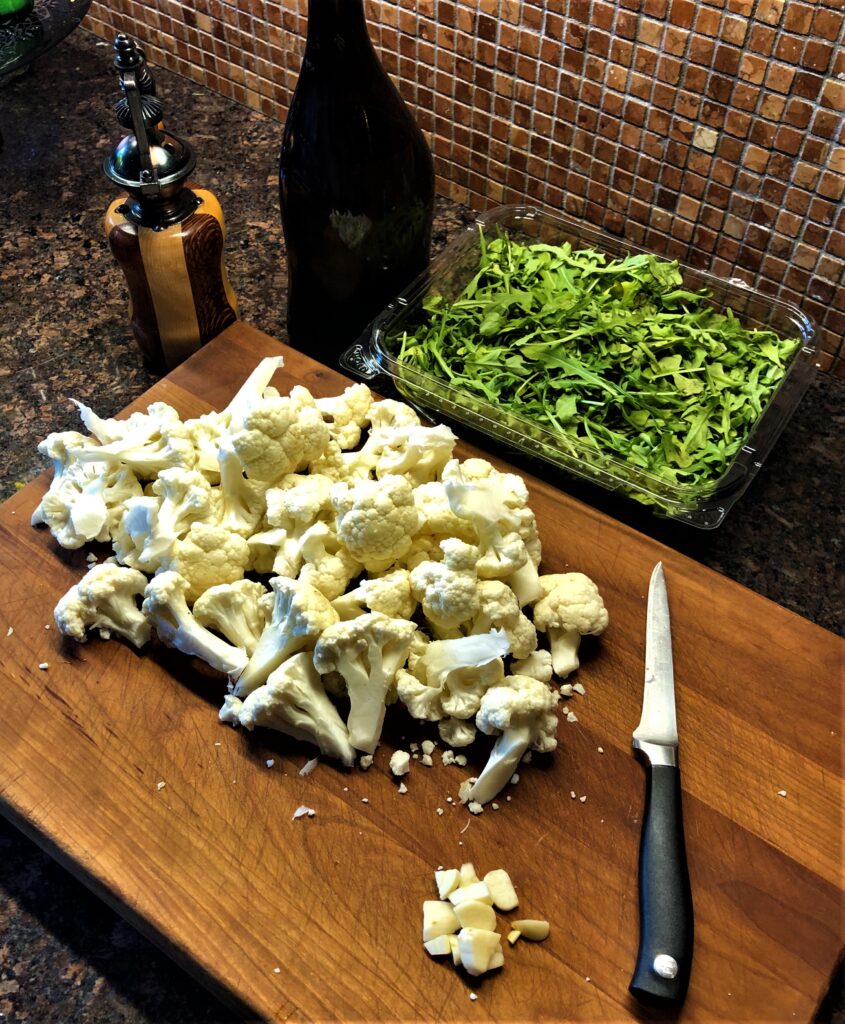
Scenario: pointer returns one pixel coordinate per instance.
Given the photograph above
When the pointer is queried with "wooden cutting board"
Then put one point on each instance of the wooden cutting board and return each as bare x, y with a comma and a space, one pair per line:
320, 918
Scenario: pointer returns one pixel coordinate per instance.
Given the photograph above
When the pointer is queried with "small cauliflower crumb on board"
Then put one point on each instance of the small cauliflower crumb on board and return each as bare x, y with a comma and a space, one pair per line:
303, 812
309, 766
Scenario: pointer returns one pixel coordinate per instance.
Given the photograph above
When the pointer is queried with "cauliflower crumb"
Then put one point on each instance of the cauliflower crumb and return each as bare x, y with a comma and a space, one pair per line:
474, 807
566, 690
571, 716
579, 688
302, 811
269, 762
309, 766
495, 806
600, 750
428, 746
364, 800
216, 743
508, 799
461, 759
46, 625
514, 778
403, 789
781, 792
464, 788
448, 757
583, 798
573, 794
365, 761
160, 785
426, 760
10, 631
440, 812
277, 970
449, 800
414, 747
400, 762
473, 996
44, 666
527, 757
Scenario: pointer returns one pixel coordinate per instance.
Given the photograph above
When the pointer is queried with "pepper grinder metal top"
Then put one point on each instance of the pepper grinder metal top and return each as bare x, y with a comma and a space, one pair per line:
150, 163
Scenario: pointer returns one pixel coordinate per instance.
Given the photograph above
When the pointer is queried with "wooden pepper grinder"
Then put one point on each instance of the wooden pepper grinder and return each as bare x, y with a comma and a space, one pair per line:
166, 233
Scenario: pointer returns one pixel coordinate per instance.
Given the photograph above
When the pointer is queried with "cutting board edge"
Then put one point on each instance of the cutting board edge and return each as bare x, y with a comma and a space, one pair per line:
183, 958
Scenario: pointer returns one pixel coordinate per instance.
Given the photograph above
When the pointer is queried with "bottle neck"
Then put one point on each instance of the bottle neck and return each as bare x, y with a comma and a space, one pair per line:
336, 26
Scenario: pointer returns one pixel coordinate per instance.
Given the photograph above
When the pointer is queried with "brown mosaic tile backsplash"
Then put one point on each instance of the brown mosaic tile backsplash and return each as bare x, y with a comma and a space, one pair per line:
712, 131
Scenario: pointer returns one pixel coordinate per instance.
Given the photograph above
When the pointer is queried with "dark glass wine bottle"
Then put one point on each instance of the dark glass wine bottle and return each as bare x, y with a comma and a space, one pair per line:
356, 185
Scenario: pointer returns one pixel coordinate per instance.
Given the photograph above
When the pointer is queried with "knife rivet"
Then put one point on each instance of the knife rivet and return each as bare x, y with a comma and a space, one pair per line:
666, 966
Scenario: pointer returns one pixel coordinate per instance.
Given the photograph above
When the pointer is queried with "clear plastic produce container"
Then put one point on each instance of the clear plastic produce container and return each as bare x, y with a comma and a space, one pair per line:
700, 505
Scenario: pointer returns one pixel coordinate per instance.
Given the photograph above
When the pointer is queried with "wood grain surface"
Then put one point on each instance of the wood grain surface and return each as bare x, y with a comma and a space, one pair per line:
320, 918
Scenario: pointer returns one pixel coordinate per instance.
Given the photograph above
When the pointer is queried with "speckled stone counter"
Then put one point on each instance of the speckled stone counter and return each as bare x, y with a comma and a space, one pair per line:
64, 956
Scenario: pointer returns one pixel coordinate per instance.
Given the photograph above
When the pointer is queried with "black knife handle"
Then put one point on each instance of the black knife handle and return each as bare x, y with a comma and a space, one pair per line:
666, 918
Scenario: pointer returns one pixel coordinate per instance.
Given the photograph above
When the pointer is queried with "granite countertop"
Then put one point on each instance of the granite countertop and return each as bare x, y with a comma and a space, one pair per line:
64, 956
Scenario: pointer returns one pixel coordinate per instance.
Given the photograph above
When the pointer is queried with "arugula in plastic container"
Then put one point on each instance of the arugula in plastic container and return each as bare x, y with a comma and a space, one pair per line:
616, 353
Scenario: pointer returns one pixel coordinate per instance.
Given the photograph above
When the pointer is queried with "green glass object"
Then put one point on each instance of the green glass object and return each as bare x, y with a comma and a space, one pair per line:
14, 7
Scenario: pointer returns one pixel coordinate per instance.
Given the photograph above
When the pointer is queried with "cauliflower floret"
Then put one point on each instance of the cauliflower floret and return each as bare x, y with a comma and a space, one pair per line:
436, 516
346, 414
293, 507
239, 610
450, 676
327, 565
522, 714
207, 555
84, 500
186, 497
367, 652
571, 607
166, 608
241, 501
455, 732
491, 503
279, 436
141, 427
105, 599
293, 701
424, 548
376, 520
146, 456
499, 609
135, 531
416, 452
300, 614
448, 590
389, 594
389, 414
538, 665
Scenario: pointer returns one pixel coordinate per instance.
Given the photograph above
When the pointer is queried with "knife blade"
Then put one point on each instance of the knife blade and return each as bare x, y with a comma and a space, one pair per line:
664, 959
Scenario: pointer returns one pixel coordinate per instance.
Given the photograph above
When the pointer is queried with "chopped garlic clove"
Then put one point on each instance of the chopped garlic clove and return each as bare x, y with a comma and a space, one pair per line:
513, 935
501, 889
468, 875
447, 881
438, 919
473, 914
477, 891
478, 950
439, 946
535, 931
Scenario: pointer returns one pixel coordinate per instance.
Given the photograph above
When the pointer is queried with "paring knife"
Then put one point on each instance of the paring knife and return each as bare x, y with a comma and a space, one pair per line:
664, 960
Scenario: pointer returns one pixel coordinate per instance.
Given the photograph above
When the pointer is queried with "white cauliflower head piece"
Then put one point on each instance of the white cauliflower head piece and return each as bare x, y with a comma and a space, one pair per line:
521, 713
367, 652
105, 599
376, 520
300, 614
294, 701
571, 607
